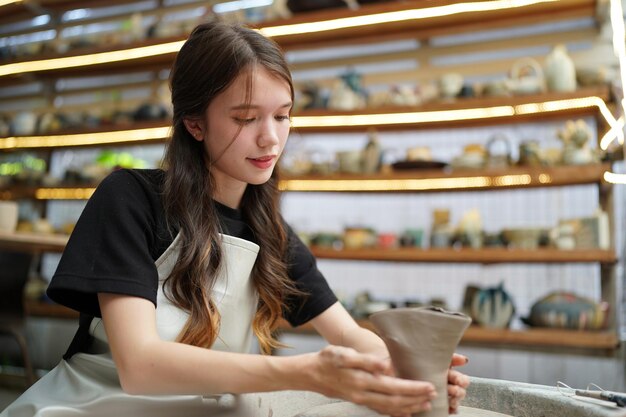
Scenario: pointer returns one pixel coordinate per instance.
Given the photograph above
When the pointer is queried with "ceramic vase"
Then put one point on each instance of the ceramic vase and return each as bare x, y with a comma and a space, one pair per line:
8, 216
560, 71
421, 342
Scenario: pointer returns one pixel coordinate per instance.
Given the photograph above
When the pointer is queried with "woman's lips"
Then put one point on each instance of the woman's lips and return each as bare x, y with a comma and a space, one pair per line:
263, 162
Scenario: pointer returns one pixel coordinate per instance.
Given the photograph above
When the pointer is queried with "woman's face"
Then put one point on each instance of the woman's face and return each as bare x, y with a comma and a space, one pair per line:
245, 137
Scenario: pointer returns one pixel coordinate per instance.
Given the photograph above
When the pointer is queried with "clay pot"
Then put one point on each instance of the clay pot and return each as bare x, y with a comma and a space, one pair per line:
421, 342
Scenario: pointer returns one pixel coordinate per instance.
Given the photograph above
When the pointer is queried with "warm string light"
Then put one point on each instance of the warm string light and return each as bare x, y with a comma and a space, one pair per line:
401, 118
408, 184
79, 139
90, 59
7, 2
64, 193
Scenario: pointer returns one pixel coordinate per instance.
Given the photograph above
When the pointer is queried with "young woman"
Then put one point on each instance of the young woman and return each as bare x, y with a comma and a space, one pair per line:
175, 270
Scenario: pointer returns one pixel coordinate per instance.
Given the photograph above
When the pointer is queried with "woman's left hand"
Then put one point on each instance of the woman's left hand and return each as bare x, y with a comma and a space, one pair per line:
457, 383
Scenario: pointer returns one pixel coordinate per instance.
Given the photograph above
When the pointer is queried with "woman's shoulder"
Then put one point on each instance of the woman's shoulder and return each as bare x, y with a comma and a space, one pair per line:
146, 178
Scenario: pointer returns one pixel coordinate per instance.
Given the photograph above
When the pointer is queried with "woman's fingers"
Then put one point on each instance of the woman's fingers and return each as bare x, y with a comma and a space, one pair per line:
458, 378
392, 404
457, 383
459, 360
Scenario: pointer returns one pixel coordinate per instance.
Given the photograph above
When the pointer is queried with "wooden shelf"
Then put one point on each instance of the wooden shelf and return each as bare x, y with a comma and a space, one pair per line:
537, 337
494, 179
450, 180
303, 119
466, 255
32, 242
498, 110
423, 28
475, 334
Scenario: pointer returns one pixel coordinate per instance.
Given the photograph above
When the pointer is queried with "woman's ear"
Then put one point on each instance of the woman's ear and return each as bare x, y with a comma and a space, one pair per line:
195, 127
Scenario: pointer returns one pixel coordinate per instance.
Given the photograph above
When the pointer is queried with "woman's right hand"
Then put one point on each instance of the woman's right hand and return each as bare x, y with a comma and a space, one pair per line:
367, 380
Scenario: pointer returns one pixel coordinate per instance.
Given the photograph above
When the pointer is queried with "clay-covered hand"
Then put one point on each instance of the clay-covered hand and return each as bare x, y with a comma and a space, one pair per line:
457, 383
364, 379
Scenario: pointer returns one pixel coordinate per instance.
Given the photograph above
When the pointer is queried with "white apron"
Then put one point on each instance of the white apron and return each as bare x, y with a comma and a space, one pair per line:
88, 384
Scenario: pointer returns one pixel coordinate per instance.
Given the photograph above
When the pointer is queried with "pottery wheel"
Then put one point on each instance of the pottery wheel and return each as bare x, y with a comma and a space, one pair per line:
346, 409
477, 412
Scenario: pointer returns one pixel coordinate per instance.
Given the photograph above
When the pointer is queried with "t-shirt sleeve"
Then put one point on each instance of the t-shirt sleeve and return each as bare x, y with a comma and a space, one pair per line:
109, 249
303, 271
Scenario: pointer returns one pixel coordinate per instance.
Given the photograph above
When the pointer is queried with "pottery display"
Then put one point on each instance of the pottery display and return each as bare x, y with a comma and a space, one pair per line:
24, 124
364, 305
569, 311
575, 137
371, 155
530, 153
298, 6
559, 70
347, 92
421, 342
350, 161
492, 307
526, 77
450, 85
411, 238
359, 237
474, 156
499, 150
529, 238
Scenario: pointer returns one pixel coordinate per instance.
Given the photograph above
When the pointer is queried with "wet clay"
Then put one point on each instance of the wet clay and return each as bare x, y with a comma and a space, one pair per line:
421, 342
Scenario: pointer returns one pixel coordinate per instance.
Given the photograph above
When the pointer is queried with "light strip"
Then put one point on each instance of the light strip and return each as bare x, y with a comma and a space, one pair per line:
7, 2
64, 193
579, 103
91, 59
100, 138
614, 178
401, 118
454, 115
409, 184
398, 16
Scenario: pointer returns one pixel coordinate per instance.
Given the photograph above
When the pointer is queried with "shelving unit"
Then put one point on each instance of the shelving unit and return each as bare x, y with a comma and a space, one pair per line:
589, 102
538, 337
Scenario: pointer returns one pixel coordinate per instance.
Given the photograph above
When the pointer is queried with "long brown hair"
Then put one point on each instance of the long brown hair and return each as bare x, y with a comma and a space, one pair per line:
211, 58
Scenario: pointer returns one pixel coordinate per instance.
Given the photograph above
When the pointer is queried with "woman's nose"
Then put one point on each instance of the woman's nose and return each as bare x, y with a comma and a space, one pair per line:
268, 135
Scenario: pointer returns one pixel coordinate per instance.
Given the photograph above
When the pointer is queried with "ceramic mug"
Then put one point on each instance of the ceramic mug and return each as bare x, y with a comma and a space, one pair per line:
8, 216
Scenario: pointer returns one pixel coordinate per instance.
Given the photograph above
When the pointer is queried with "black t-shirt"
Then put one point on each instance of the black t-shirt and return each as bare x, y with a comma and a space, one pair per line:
123, 231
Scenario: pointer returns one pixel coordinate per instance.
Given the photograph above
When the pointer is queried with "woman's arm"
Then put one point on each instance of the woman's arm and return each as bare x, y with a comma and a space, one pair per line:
338, 327
148, 365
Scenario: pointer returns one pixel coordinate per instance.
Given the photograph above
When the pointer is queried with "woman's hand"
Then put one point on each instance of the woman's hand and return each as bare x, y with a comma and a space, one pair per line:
457, 383
365, 379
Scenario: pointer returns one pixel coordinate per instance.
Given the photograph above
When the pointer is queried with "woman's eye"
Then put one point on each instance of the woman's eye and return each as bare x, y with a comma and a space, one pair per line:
281, 118
244, 121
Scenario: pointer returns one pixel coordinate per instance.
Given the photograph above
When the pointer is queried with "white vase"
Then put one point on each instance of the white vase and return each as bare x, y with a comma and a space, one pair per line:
8, 216
560, 71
